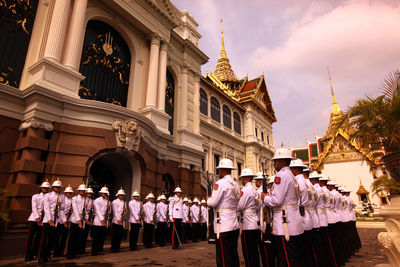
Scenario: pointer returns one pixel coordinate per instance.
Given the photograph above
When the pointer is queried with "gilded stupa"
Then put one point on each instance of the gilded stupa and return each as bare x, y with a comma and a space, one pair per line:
223, 70
335, 114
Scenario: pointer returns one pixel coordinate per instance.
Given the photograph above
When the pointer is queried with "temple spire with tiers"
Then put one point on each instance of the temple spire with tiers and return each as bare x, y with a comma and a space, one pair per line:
335, 114
223, 70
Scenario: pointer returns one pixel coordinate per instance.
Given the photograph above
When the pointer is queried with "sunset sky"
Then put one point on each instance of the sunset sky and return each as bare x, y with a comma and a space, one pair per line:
293, 42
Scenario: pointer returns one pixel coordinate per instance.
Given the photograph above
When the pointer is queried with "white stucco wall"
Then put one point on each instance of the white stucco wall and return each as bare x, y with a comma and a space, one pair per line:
349, 175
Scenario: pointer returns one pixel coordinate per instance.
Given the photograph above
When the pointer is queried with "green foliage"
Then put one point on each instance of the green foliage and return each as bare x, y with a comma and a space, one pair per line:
385, 183
5, 198
367, 209
376, 121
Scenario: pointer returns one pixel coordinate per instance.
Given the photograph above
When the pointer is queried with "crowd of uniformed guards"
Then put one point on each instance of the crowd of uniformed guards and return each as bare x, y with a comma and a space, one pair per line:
296, 218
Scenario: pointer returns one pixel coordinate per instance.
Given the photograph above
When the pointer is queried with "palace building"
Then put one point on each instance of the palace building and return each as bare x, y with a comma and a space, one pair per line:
345, 160
111, 93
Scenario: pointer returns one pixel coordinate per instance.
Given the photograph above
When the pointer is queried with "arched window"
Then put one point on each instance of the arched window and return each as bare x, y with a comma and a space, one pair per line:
237, 126
105, 63
16, 24
226, 115
215, 109
203, 102
169, 101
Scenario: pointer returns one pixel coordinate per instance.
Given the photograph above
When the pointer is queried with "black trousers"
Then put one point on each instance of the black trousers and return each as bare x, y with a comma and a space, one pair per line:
61, 240
99, 235
117, 231
203, 231
176, 234
148, 230
47, 241
133, 235
266, 248
33, 240
162, 231
75, 237
186, 232
84, 237
289, 252
169, 232
226, 249
310, 255
196, 231
250, 240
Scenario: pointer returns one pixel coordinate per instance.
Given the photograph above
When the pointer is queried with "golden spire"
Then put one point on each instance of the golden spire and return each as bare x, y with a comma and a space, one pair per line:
335, 106
223, 70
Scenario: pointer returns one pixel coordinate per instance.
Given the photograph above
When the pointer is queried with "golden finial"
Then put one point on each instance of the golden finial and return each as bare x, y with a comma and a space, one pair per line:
335, 106
223, 51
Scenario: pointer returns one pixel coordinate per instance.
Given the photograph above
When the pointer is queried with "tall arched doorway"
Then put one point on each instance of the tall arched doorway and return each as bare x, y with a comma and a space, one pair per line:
116, 170
169, 184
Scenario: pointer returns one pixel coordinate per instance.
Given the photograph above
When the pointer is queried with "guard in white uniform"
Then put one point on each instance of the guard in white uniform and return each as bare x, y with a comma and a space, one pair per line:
89, 211
162, 220
352, 229
135, 206
249, 206
52, 210
287, 222
102, 211
149, 212
224, 199
176, 216
305, 204
76, 222
117, 229
265, 246
186, 220
195, 217
203, 220
35, 225
62, 228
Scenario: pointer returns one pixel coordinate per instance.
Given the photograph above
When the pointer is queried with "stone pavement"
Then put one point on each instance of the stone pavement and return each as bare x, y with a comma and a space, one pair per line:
198, 254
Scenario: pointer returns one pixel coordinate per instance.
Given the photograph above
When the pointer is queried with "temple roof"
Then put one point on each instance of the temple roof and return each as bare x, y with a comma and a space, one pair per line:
335, 114
362, 190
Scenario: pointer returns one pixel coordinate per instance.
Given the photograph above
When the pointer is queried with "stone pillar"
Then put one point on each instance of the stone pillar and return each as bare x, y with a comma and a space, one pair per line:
162, 76
73, 46
182, 115
196, 104
58, 27
151, 95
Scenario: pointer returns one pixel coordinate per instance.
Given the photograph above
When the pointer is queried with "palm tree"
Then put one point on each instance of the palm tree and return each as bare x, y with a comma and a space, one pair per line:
385, 184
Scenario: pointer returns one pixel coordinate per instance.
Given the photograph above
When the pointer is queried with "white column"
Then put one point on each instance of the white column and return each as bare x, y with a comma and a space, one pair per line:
73, 46
196, 103
182, 115
162, 76
58, 27
151, 95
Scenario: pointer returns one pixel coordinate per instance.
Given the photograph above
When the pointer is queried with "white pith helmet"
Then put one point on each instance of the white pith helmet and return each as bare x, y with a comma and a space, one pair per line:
347, 190
82, 187
45, 184
104, 190
120, 192
297, 163
314, 175
247, 172
178, 190
306, 169
185, 199
259, 176
89, 190
150, 195
158, 198
271, 179
135, 194
68, 189
226, 164
330, 182
57, 183
323, 177
203, 201
282, 153
189, 201
163, 197
196, 200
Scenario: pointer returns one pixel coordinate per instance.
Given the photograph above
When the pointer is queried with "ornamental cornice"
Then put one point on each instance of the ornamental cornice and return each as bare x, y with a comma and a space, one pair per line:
35, 123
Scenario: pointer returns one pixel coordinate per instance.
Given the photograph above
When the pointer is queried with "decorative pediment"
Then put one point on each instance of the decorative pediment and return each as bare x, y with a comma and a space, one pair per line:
128, 134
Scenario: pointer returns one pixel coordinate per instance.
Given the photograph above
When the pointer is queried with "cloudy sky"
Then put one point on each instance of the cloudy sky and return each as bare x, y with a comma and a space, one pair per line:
293, 42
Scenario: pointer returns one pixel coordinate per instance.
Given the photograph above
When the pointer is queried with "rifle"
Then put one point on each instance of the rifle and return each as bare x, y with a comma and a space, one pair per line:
265, 215
83, 212
210, 215
56, 210
108, 214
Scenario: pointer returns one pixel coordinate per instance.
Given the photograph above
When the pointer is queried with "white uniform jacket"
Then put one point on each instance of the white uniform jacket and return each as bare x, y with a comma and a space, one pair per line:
305, 201
203, 214
78, 203
330, 206
49, 205
311, 210
284, 196
195, 213
175, 208
224, 199
118, 206
320, 206
162, 209
89, 211
66, 206
37, 207
249, 205
134, 208
149, 209
185, 211
100, 210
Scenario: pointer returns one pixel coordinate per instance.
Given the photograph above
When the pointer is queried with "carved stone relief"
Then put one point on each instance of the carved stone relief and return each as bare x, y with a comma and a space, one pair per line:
128, 134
